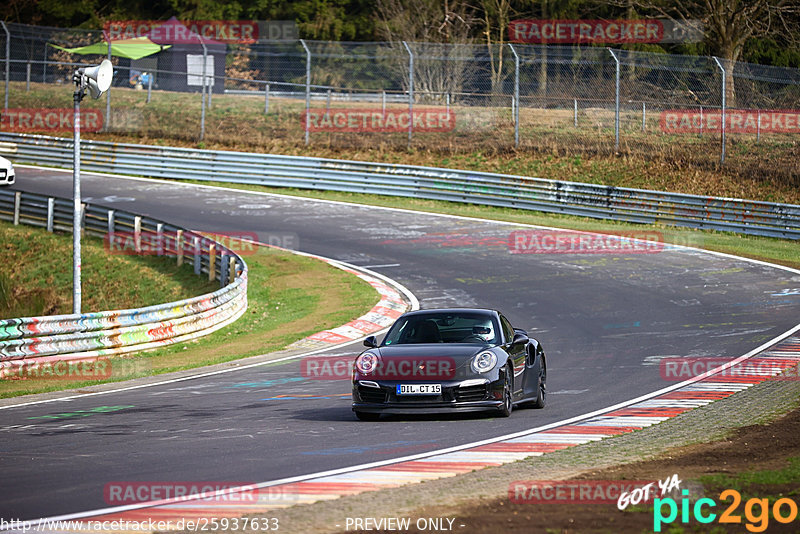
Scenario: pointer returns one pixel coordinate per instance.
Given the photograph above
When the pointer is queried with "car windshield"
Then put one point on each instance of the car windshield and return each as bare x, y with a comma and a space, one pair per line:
443, 327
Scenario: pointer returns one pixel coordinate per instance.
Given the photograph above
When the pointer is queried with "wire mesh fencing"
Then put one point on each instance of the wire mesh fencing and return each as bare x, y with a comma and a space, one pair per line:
285, 95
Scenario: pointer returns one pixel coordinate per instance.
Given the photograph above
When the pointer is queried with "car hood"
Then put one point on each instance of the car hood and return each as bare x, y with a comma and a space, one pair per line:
457, 351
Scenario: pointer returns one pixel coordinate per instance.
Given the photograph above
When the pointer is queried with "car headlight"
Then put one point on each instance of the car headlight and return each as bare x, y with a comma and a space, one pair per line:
367, 362
484, 362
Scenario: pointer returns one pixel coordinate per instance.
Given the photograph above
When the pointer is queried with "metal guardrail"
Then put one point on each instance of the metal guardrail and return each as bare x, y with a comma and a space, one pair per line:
92, 335
572, 198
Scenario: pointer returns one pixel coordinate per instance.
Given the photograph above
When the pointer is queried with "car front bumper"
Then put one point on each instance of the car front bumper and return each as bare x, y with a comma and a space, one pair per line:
456, 396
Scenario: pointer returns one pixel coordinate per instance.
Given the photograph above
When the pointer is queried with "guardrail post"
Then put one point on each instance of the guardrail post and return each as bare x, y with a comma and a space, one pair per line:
179, 246
160, 239
223, 269
82, 218
308, 87
137, 234
212, 262
724, 74
231, 269
8, 65
516, 95
616, 100
266, 99
410, 92
196, 245
51, 204
111, 223
17, 199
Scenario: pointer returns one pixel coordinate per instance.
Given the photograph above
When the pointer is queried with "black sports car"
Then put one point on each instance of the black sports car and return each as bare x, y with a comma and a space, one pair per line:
439, 361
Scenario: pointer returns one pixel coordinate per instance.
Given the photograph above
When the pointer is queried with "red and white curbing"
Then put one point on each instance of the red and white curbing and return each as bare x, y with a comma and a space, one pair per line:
757, 368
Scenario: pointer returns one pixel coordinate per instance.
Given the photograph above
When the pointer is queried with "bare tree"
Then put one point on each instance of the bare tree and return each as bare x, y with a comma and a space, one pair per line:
728, 24
436, 29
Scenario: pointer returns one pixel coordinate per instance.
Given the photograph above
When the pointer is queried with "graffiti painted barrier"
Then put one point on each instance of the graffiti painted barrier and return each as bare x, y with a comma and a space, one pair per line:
99, 334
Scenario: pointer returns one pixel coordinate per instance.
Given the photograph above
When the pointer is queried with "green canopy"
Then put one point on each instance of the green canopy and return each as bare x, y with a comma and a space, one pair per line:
128, 48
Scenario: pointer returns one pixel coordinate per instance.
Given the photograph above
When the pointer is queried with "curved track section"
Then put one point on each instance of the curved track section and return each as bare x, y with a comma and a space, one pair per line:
606, 321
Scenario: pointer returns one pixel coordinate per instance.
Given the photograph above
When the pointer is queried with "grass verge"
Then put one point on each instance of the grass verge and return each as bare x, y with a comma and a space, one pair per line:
289, 297
38, 280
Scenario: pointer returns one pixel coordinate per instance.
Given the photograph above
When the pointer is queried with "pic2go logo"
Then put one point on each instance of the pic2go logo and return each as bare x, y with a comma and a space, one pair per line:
756, 511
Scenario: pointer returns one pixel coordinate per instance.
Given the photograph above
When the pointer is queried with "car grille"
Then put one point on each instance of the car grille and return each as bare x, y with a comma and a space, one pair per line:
471, 393
371, 395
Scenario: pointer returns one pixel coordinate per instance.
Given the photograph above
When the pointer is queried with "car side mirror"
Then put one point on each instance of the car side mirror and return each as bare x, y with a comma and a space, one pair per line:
519, 338
371, 342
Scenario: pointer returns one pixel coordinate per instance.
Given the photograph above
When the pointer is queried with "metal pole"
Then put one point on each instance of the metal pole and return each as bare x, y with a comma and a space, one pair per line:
644, 116
76, 204
701, 121
266, 99
107, 122
210, 90
203, 92
575, 112
44, 64
383, 103
722, 150
328, 104
149, 86
447, 103
758, 127
616, 101
8, 65
308, 87
516, 95
410, 92
28, 77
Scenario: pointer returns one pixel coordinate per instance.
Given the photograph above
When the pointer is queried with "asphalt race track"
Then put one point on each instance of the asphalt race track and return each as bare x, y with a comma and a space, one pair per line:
605, 321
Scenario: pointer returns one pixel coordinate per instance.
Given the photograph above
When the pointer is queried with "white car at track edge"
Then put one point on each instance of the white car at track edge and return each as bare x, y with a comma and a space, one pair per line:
7, 174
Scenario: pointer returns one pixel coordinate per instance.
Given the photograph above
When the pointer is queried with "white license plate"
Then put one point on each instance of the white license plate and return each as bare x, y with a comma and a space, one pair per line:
419, 389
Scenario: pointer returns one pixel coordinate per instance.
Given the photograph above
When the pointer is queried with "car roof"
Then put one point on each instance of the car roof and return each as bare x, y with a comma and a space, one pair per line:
485, 311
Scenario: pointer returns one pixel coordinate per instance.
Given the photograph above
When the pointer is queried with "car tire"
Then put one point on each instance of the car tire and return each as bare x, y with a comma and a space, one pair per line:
541, 394
508, 405
367, 416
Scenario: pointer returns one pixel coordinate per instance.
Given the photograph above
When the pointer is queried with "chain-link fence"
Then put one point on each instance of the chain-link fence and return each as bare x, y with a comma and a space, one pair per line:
282, 95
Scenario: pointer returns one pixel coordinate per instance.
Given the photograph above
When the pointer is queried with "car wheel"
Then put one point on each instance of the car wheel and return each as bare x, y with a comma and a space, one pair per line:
368, 416
541, 395
508, 405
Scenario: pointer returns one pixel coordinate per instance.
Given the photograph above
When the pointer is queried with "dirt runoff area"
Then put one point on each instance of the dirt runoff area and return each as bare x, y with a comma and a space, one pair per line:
761, 462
